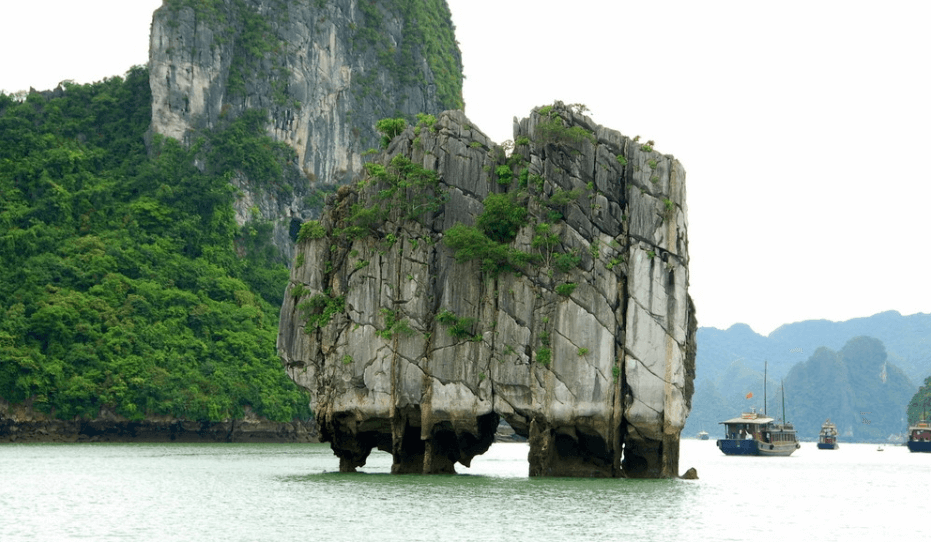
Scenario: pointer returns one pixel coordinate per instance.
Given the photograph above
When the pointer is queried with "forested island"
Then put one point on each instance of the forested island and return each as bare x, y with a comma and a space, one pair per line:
125, 282
148, 221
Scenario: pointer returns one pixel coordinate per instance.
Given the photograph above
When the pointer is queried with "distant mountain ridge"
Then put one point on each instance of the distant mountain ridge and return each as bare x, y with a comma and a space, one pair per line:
730, 362
856, 387
907, 340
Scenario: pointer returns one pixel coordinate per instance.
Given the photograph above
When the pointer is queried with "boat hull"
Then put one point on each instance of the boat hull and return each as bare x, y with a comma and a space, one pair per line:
737, 447
826, 446
755, 447
919, 446
776, 449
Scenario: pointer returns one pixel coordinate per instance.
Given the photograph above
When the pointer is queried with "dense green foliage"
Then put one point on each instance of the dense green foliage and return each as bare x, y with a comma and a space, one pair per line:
501, 218
566, 289
504, 174
402, 187
566, 261
320, 309
469, 243
241, 146
312, 229
553, 130
488, 240
919, 407
125, 281
389, 129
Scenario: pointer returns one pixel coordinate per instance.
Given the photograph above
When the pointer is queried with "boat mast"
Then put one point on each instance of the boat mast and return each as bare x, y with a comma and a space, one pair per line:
764, 387
784, 402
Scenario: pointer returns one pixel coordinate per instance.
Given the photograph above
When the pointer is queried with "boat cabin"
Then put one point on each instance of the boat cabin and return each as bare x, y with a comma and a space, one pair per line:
749, 425
828, 433
920, 432
756, 434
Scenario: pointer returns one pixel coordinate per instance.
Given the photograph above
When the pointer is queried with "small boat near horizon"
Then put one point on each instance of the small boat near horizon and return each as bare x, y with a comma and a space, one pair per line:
703, 435
827, 439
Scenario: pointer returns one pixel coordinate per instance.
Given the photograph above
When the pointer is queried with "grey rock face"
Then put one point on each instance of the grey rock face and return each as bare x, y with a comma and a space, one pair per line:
324, 71
598, 376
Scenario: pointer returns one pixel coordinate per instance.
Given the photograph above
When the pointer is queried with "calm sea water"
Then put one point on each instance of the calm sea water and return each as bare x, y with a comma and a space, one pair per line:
233, 492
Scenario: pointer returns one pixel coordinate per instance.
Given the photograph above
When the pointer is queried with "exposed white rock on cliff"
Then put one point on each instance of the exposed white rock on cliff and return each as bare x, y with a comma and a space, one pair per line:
588, 348
324, 71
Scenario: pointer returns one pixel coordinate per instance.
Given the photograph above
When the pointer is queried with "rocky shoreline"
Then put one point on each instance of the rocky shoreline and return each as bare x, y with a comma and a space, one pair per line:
22, 424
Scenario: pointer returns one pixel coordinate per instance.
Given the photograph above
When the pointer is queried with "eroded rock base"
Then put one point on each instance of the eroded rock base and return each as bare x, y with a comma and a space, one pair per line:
569, 452
414, 450
648, 458
576, 452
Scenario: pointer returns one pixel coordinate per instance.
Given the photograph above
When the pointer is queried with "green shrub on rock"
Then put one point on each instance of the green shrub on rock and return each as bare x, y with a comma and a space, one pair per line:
502, 218
320, 309
567, 261
390, 129
566, 289
460, 328
469, 243
312, 229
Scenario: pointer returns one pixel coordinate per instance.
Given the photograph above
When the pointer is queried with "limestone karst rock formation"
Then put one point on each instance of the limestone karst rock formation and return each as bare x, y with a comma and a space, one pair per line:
324, 72
456, 285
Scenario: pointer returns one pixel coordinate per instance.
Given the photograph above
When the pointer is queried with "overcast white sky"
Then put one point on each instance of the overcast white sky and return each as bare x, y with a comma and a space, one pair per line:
803, 126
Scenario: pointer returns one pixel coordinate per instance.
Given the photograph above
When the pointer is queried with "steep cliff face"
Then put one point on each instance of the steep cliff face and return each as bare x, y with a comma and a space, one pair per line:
324, 72
456, 285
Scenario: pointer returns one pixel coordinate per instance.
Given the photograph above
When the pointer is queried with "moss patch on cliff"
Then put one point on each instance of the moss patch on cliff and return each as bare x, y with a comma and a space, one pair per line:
243, 146
253, 40
428, 32
320, 309
458, 327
